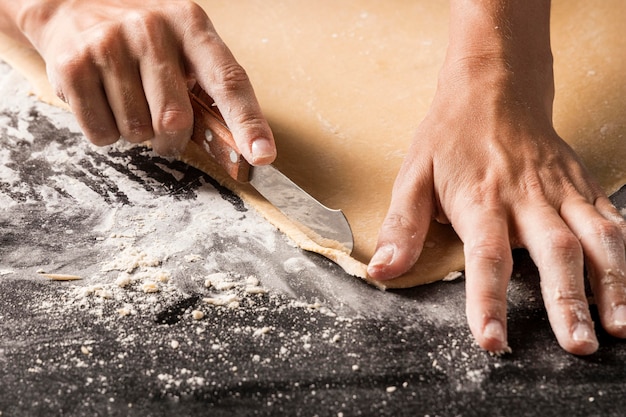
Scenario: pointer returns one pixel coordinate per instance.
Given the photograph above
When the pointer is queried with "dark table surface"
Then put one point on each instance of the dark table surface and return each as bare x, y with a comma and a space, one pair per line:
294, 334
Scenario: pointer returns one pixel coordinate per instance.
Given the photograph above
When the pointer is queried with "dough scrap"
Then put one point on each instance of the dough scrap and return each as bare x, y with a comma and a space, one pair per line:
345, 84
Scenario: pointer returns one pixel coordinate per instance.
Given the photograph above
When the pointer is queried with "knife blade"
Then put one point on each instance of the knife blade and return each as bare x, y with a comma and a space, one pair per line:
323, 225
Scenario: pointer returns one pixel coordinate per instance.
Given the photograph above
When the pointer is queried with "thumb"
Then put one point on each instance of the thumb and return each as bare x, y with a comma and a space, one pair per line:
402, 235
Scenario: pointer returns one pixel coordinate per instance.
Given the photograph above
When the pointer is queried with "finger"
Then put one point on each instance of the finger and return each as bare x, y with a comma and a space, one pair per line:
165, 86
402, 235
77, 81
124, 91
227, 83
488, 268
610, 212
603, 245
559, 258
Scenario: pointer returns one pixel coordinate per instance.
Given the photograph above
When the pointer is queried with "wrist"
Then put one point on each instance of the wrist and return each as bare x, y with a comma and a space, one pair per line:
502, 47
515, 31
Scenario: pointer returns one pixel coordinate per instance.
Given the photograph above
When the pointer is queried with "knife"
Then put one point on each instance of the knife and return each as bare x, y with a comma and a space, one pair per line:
323, 225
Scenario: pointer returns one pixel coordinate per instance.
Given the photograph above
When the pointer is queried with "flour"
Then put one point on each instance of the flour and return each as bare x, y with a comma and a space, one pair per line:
174, 270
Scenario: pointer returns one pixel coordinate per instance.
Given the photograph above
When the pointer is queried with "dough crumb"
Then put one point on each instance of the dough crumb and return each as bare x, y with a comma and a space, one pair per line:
197, 315
123, 280
163, 276
221, 300
502, 352
103, 293
224, 286
262, 331
252, 281
124, 311
255, 290
150, 287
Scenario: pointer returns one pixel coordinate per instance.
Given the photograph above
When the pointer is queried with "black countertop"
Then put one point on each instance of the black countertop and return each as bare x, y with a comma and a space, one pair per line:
295, 335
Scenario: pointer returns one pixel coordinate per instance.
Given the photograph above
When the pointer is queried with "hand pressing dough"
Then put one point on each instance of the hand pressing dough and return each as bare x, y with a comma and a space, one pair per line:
345, 84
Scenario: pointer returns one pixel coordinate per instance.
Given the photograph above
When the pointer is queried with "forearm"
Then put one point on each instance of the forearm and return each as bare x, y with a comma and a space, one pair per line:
506, 39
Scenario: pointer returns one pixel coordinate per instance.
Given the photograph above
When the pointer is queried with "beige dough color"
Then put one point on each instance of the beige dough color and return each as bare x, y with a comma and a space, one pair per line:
345, 84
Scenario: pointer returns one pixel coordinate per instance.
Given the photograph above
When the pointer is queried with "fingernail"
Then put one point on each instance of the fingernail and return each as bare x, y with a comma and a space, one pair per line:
383, 256
619, 315
381, 259
583, 333
262, 151
494, 331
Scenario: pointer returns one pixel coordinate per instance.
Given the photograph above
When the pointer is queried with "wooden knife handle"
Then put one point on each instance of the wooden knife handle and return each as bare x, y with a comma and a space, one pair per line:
214, 137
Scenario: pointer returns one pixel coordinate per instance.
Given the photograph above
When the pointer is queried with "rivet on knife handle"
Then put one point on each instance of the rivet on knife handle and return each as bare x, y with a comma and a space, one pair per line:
211, 133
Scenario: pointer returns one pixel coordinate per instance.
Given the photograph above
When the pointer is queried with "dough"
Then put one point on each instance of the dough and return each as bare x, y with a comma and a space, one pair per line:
345, 84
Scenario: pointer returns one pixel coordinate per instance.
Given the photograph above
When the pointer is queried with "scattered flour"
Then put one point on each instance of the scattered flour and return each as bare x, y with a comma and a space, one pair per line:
295, 265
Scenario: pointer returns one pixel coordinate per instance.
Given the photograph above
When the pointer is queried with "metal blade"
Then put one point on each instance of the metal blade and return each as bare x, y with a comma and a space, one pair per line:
297, 204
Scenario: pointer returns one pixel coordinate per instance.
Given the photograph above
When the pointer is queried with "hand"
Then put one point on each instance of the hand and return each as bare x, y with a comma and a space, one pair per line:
487, 159
124, 66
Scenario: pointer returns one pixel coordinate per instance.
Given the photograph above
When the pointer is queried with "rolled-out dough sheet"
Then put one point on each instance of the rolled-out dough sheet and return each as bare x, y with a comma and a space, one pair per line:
345, 84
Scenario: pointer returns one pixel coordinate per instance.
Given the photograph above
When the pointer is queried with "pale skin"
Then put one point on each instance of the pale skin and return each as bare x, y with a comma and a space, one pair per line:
485, 159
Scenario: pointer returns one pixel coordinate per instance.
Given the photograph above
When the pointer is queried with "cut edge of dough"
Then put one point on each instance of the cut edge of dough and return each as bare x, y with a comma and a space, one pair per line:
27, 62
194, 156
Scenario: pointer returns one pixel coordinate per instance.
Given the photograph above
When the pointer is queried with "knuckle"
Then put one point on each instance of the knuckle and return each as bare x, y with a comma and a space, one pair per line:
396, 222
197, 21
136, 130
141, 19
563, 242
99, 132
251, 122
614, 279
192, 10
69, 66
145, 25
570, 299
494, 303
101, 45
493, 250
232, 77
174, 120
607, 231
